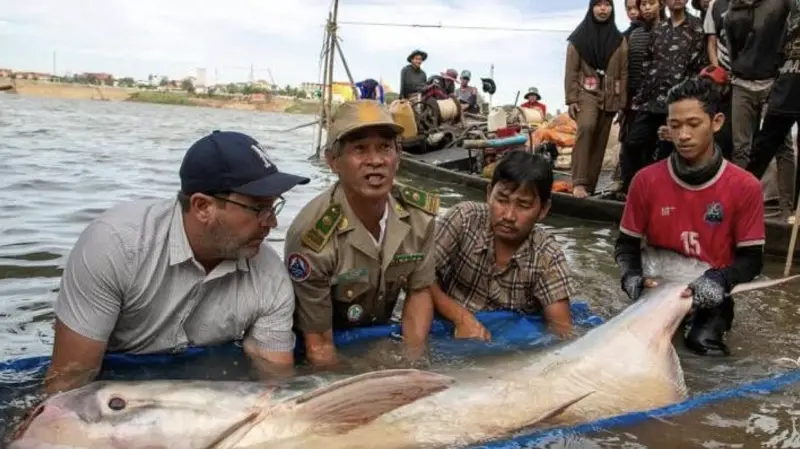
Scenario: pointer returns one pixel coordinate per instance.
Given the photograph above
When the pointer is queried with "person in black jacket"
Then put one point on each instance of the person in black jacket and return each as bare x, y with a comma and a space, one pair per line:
675, 52
783, 107
651, 14
412, 78
632, 8
717, 48
755, 30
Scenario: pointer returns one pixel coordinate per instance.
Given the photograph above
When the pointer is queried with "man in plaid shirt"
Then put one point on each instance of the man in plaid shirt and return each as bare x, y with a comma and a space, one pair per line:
491, 256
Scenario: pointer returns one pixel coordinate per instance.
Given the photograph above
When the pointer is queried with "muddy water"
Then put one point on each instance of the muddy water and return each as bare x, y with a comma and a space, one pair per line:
64, 162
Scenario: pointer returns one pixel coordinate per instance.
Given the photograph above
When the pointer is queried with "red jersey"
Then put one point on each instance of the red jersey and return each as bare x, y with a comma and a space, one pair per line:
706, 222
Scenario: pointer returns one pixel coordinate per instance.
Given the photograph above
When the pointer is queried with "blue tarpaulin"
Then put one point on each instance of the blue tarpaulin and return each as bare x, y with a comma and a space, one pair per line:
509, 331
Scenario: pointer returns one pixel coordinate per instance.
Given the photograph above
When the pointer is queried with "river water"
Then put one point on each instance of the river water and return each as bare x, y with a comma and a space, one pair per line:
65, 161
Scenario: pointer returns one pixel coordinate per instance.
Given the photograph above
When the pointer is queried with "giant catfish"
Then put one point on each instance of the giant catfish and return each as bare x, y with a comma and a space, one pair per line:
627, 364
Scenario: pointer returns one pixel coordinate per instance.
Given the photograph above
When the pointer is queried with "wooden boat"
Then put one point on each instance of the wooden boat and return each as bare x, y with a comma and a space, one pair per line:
452, 165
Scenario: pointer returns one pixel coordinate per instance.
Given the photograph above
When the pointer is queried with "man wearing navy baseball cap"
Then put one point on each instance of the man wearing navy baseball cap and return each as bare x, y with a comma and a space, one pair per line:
155, 276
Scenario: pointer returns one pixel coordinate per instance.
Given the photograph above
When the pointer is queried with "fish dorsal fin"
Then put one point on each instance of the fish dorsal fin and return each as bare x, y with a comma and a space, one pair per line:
762, 284
355, 401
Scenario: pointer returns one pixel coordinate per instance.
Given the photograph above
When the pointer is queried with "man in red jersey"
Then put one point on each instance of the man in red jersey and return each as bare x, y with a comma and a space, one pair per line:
699, 205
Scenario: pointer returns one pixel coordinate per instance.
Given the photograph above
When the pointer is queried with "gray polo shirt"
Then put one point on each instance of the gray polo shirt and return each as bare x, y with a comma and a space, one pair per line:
132, 280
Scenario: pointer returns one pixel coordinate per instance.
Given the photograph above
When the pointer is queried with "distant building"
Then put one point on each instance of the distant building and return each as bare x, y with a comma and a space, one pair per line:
36, 76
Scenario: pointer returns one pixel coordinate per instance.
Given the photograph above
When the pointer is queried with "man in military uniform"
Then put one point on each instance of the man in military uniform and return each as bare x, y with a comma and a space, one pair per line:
355, 247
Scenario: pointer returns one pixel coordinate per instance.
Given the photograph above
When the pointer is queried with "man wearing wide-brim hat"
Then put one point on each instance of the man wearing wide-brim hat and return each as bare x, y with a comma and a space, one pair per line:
533, 101
357, 247
412, 77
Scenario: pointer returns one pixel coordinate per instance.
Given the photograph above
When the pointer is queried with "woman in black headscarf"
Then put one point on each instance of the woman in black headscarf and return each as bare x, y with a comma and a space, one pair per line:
595, 84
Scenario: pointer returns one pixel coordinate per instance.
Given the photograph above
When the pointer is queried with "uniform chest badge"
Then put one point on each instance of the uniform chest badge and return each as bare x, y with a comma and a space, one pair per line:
714, 213
354, 313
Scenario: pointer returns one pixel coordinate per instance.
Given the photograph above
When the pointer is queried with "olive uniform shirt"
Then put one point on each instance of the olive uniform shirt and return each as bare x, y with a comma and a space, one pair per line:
341, 277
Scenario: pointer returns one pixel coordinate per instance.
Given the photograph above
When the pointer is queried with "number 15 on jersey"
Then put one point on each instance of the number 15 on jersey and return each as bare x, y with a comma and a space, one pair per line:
691, 243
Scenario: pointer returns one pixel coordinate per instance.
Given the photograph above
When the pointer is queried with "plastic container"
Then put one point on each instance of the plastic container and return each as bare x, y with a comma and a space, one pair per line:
496, 120
403, 115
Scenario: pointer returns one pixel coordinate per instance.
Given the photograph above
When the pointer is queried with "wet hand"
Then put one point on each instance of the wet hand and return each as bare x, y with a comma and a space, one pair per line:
633, 284
469, 327
707, 291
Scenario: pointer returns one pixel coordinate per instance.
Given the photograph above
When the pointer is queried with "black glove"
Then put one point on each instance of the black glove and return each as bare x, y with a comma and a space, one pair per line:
709, 290
633, 284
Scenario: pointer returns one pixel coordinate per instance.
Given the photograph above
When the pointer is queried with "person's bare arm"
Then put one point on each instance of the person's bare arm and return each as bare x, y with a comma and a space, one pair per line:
270, 341
269, 364
88, 306
464, 321
75, 362
711, 47
320, 350
445, 305
416, 322
559, 318
553, 289
418, 307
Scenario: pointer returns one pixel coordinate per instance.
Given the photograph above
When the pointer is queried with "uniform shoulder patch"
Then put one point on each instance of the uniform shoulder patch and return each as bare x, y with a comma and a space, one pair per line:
298, 266
317, 237
425, 201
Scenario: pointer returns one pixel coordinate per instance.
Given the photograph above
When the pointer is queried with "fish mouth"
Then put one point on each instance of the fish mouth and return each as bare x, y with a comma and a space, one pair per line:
19, 432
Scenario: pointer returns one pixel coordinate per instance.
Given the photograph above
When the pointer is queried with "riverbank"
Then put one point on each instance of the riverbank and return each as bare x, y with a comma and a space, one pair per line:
286, 105
30, 88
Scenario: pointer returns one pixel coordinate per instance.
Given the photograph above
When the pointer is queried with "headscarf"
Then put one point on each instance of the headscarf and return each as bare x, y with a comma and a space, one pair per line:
596, 41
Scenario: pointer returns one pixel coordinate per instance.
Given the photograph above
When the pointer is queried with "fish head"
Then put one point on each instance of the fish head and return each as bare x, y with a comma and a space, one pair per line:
139, 415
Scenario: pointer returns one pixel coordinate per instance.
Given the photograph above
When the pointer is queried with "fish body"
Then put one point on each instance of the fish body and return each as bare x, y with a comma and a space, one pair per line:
627, 364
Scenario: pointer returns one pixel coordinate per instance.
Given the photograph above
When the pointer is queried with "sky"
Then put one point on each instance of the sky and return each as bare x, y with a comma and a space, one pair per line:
282, 40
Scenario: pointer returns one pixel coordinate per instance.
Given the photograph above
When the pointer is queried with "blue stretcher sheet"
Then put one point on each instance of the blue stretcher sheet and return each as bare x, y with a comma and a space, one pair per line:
509, 331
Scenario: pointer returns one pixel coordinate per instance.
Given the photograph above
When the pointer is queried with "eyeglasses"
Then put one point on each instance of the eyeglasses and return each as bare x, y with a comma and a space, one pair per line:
262, 212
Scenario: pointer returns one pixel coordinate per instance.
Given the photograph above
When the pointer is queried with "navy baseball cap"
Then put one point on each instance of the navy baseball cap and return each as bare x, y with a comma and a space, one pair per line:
229, 161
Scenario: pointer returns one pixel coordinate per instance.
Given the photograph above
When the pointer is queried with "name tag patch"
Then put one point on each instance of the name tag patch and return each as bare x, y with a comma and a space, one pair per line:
407, 258
349, 276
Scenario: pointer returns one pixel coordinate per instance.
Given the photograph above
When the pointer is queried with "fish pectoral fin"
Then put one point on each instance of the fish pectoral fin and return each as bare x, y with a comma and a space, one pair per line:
755, 285
358, 400
554, 411
233, 434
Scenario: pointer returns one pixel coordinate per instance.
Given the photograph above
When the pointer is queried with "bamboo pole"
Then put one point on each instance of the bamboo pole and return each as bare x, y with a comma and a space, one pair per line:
346, 68
328, 50
792, 243
331, 61
327, 83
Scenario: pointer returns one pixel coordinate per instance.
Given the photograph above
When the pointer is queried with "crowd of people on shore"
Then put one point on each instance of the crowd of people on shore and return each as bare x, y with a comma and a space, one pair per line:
749, 49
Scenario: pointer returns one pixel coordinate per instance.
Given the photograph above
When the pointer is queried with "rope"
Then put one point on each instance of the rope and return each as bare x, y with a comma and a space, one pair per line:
447, 109
458, 27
